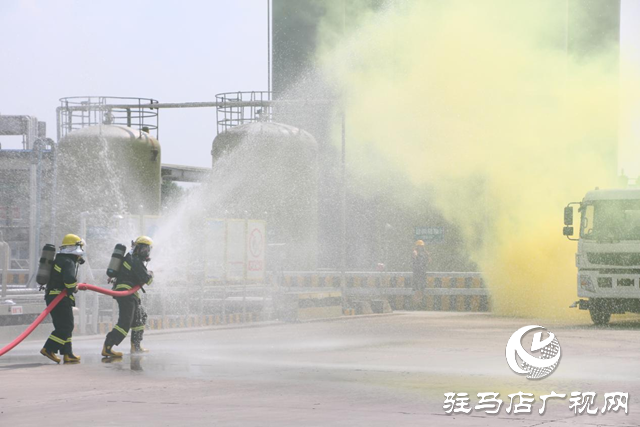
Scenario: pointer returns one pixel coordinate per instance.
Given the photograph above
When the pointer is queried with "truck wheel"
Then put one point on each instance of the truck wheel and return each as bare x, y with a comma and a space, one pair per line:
599, 316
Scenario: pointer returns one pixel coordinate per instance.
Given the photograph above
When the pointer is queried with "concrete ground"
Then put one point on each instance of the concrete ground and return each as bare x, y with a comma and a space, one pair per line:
379, 370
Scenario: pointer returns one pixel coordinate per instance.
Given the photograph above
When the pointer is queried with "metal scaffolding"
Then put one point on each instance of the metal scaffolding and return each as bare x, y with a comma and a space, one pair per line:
78, 112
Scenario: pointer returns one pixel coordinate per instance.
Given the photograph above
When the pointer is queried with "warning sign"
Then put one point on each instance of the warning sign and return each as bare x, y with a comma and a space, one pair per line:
234, 249
256, 244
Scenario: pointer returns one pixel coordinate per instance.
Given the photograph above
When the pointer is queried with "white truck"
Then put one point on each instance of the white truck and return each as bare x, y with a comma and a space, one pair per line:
608, 257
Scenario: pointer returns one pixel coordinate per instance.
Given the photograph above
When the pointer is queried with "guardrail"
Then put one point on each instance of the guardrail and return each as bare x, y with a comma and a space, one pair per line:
15, 277
441, 291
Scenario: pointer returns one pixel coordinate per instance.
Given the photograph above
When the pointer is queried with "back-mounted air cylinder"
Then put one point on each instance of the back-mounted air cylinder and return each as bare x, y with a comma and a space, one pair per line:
116, 260
46, 264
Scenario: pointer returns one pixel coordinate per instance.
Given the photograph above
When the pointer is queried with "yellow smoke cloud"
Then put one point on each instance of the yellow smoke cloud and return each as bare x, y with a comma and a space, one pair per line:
480, 102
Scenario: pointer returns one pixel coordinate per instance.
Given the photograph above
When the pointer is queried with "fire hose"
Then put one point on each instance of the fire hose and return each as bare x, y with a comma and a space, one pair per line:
54, 303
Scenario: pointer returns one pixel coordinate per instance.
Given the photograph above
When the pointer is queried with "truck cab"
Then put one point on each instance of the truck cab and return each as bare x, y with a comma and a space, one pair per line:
608, 257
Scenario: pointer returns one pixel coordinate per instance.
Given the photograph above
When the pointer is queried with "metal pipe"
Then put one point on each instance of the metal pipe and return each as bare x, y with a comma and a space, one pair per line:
224, 302
5, 259
95, 313
38, 146
54, 176
343, 239
343, 207
83, 298
158, 126
206, 104
268, 46
172, 105
33, 206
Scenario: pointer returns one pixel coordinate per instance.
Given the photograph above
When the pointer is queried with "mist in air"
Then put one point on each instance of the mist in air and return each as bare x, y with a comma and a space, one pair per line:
491, 108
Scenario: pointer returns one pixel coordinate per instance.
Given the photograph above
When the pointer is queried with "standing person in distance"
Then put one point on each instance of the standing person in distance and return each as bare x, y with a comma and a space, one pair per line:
132, 316
420, 259
63, 276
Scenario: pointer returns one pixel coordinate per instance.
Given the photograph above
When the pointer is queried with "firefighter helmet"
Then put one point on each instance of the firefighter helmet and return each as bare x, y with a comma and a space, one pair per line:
141, 247
72, 244
143, 240
419, 243
71, 240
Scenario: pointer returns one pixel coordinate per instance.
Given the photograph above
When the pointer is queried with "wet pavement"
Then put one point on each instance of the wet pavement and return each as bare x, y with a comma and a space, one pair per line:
375, 371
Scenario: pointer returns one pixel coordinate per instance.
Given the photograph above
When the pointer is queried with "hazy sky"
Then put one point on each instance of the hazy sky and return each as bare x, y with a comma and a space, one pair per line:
173, 51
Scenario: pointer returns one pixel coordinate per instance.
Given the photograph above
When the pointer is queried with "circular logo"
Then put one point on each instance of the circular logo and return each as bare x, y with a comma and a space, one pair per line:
544, 356
255, 242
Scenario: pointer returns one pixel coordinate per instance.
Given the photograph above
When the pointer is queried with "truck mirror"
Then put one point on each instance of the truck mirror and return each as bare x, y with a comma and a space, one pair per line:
568, 216
567, 231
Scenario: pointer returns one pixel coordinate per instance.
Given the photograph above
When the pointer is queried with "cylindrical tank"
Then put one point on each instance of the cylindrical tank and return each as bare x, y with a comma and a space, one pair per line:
117, 256
46, 264
266, 170
105, 170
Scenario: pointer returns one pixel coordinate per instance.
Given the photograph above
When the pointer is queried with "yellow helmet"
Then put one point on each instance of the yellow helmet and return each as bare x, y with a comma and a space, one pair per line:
142, 247
143, 240
72, 240
419, 243
72, 244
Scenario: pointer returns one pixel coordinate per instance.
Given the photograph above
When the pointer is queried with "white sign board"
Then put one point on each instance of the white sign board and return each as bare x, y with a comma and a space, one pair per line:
236, 249
256, 245
215, 234
16, 310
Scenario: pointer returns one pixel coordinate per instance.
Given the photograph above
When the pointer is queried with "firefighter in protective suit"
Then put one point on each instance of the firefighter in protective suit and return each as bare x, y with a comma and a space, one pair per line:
132, 316
63, 276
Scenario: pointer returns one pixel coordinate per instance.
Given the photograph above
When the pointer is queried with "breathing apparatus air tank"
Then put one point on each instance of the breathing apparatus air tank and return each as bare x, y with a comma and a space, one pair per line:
116, 260
46, 264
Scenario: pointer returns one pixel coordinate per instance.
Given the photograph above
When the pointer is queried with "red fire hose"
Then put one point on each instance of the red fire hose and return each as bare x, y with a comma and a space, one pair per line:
88, 287
40, 318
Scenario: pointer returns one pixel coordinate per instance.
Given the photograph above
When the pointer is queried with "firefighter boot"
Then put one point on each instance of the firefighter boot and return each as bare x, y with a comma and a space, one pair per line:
50, 355
108, 352
138, 349
71, 358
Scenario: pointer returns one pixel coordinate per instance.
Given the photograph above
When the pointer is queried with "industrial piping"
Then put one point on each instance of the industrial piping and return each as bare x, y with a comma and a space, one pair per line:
5, 261
40, 318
